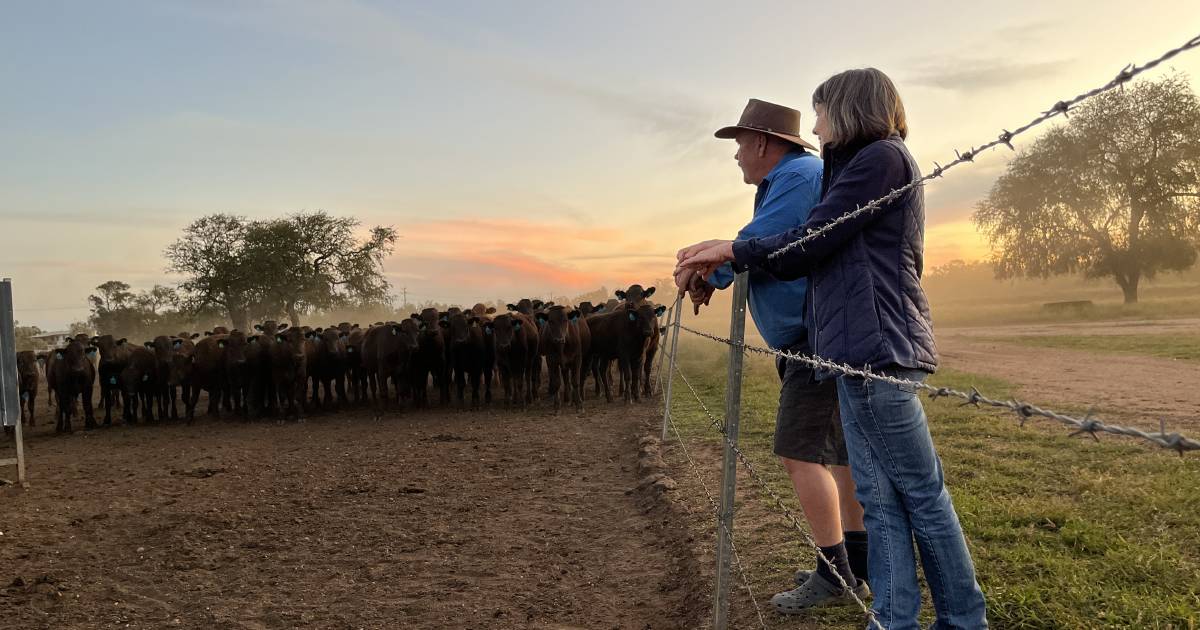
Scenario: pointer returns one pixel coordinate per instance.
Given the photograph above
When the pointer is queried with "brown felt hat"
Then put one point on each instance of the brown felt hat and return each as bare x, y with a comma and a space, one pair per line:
777, 120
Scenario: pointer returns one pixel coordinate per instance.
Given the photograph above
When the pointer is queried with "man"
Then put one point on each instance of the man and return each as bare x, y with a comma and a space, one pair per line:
808, 432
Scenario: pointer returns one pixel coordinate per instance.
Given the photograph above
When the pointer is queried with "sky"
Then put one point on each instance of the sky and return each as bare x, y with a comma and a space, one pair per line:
519, 148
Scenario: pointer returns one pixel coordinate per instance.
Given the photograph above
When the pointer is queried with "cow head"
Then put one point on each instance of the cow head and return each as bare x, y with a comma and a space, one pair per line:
407, 331
557, 323
73, 358
506, 328
644, 317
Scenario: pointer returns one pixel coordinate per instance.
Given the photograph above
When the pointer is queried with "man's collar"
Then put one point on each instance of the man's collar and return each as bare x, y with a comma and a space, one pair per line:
783, 160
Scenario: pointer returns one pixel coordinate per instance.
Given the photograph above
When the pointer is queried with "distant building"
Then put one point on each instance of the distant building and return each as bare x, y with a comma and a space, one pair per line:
54, 339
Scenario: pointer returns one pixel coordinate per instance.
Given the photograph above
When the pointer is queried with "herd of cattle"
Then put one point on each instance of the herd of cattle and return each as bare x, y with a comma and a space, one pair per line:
279, 370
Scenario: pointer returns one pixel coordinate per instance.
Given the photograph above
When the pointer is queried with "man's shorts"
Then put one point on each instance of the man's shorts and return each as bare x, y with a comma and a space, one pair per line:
808, 427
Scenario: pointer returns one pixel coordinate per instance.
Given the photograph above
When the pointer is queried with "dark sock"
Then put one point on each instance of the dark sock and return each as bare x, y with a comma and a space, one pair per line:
841, 564
856, 550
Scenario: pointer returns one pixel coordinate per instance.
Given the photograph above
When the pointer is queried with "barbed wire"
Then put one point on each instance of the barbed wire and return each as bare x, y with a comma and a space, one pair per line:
1005, 138
795, 521
1086, 425
717, 512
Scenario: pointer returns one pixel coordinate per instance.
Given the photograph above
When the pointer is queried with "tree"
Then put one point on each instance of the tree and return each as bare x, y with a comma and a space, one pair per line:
312, 260
211, 254
157, 298
112, 295
24, 337
1115, 192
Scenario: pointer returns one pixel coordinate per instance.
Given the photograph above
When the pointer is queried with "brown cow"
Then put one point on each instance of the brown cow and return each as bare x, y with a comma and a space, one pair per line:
207, 363
388, 353
565, 342
516, 338
621, 335
636, 296
473, 358
74, 375
327, 366
114, 357
289, 372
180, 373
139, 383
356, 372
27, 382
430, 359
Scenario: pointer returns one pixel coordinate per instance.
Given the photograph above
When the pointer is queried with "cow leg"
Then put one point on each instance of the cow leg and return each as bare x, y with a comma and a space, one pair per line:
555, 383
106, 394
193, 397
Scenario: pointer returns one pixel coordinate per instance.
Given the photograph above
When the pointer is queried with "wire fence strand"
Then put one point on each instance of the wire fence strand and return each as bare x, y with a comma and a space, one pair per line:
1005, 138
1088, 425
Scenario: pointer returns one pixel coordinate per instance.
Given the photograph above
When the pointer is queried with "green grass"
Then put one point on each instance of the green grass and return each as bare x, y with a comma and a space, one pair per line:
1169, 346
1065, 532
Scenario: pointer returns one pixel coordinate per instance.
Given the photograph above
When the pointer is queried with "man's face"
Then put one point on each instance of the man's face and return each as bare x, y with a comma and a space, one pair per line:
750, 156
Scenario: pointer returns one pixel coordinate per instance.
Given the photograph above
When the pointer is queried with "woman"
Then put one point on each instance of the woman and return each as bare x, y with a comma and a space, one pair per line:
866, 307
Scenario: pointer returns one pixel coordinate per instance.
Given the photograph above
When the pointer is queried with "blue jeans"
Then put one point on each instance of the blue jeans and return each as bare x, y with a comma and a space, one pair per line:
901, 488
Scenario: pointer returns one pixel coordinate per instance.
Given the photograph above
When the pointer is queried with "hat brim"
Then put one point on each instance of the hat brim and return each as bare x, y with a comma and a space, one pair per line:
729, 133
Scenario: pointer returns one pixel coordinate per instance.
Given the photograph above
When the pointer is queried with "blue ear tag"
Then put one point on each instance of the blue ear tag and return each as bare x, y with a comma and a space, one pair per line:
145, 377
487, 331
25, 396
633, 317
112, 380
350, 350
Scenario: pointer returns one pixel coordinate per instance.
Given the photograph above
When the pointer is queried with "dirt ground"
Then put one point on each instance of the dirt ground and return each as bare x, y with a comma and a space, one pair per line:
437, 519
1130, 389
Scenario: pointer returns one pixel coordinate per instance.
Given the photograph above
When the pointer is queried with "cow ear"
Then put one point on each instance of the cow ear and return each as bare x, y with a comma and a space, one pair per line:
659, 310
541, 317
600, 309
490, 310
122, 341
258, 327
282, 326
149, 344
421, 327
648, 292
573, 315
620, 294
208, 333
252, 339
444, 317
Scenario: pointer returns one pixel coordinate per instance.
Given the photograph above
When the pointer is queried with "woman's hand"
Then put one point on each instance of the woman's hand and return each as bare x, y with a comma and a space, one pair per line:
706, 260
691, 250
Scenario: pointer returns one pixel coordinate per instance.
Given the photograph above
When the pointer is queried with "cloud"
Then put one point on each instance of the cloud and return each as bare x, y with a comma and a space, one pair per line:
969, 75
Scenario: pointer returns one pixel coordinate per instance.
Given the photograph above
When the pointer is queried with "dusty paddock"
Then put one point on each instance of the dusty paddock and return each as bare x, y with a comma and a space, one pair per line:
436, 519
1138, 390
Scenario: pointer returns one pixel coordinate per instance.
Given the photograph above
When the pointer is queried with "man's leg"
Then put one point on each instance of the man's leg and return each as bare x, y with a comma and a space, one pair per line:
817, 490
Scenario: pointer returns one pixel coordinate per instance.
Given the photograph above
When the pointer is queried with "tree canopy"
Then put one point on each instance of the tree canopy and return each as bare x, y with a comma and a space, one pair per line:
1114, 192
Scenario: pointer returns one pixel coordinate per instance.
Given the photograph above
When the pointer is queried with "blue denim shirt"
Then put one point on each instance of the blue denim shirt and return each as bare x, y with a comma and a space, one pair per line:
783, 201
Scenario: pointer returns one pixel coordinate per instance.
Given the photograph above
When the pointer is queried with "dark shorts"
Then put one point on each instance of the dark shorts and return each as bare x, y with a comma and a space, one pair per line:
808, 427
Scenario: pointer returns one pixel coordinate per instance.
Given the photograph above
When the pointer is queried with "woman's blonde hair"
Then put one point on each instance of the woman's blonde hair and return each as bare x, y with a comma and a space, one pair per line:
861, 106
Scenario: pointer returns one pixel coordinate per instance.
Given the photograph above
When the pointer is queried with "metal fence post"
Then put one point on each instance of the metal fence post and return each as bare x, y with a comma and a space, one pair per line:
10, 401
662, 345
676, 311
733, 409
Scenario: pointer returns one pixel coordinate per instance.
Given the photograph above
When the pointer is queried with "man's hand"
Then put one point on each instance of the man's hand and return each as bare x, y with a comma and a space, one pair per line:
684, 279
700, 293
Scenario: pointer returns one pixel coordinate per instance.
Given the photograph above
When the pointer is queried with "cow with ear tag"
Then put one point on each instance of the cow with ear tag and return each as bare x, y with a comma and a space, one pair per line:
262, 398
329, 366
207, 373
621, 336
139, 383
356, 372
114, 358
516, 339
289, 370
74, 376
469, 353
430, 359
565, 340
388, 353
179, 376
636, 296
